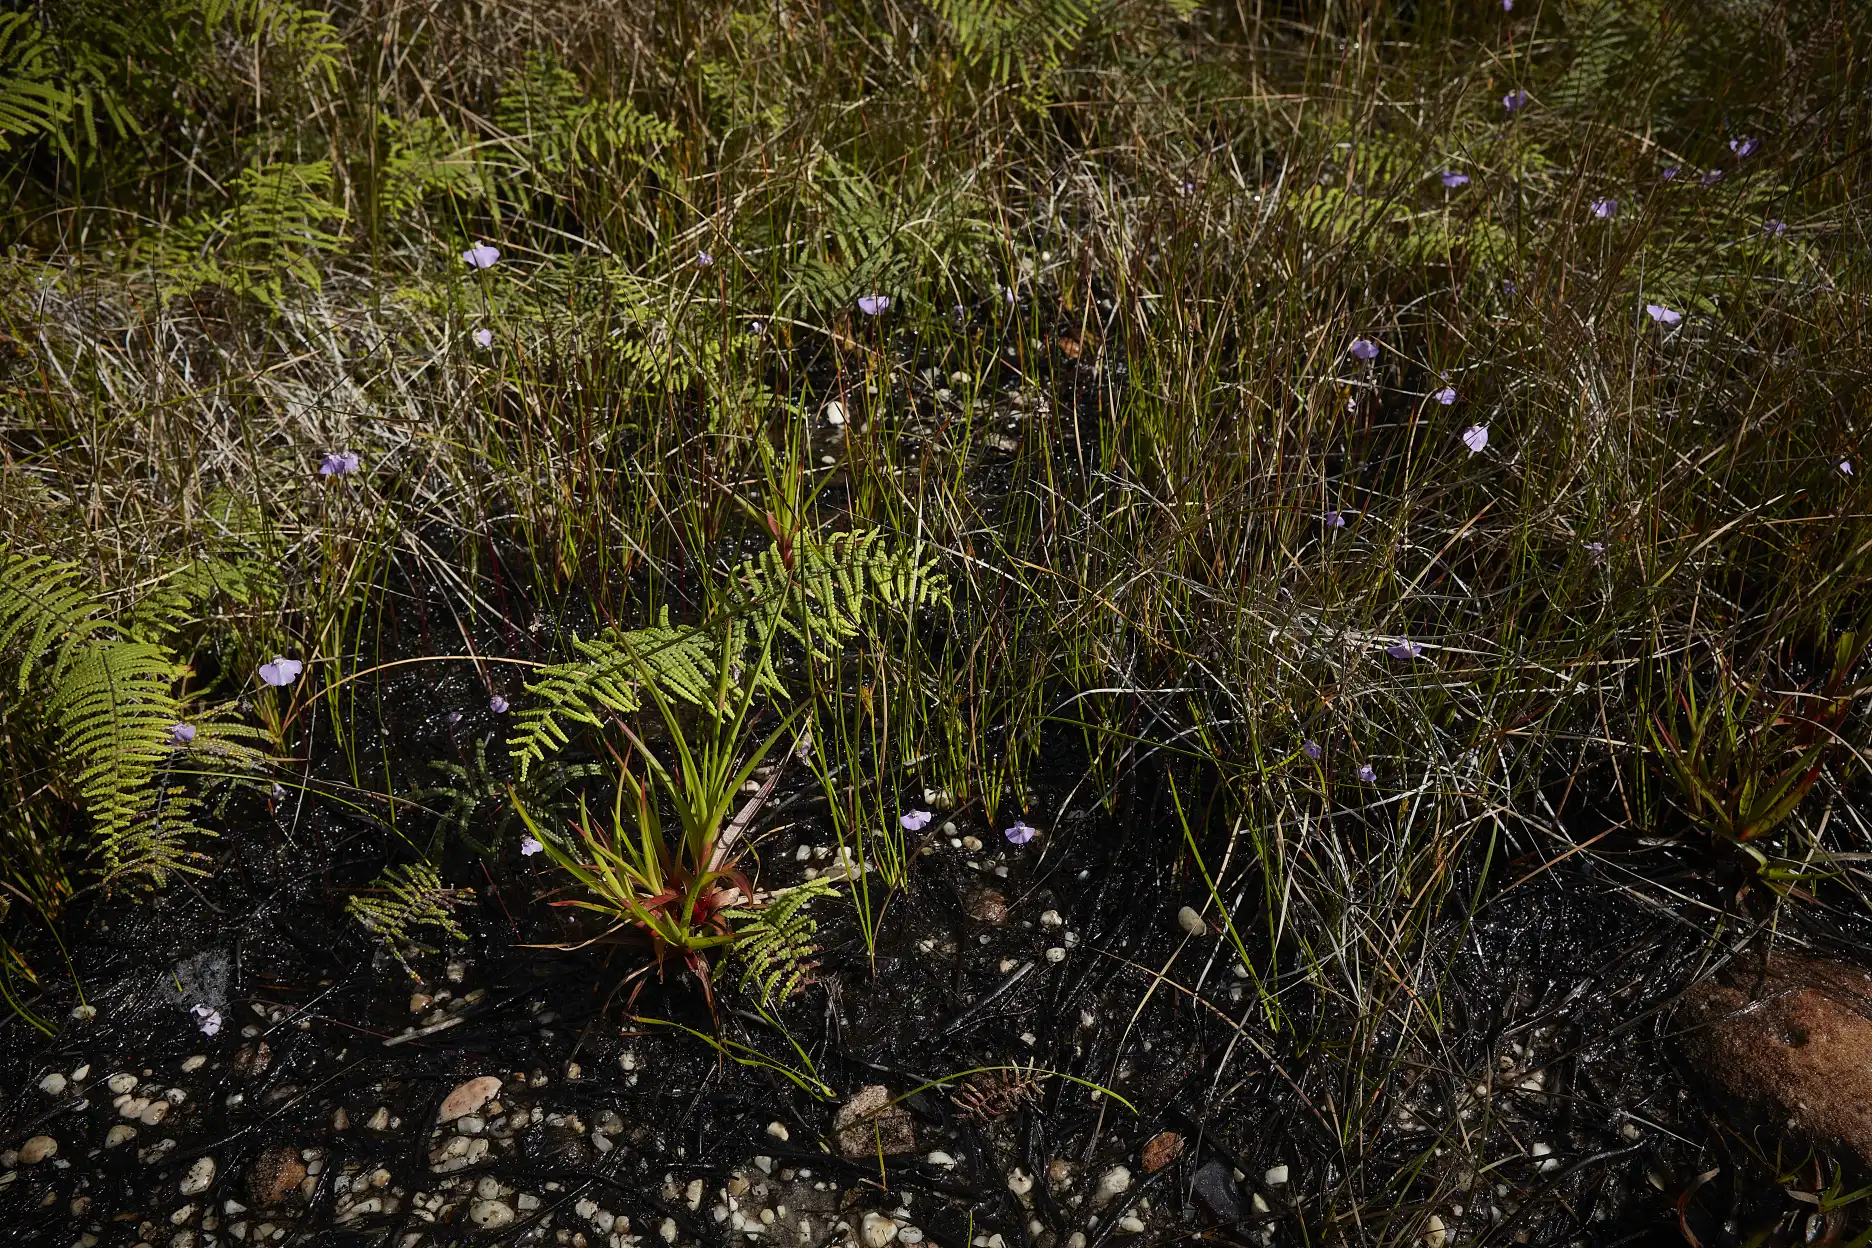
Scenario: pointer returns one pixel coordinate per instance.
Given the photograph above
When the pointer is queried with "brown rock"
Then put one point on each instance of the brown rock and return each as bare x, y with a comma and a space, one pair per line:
1160, 1150
869, 1123
468, 1097
1790, 1043
253, 1059
275, 1175
988, 906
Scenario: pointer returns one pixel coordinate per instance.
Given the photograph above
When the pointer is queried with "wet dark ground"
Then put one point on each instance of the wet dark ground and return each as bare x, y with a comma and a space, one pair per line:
1535, 1098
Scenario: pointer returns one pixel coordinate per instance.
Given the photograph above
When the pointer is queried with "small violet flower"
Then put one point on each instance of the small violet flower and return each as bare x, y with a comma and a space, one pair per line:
1367, 774
1596, 550
1019, 833
484, 337
339, 463
1445, 396
1364, 349
1662, 315
1514, 100
480, 256
497, 704
1845, 467
1742, 146
1311, 749
1774, 227
1605, 209
1507, 6
1711, 178
1475, 437
207, 1018
1452, 179
1405, 649
757, 328
181, 734
915, 821
281, 671
703, 259
871, 305
529, 846
1335, 520
1510, 289
1669, 174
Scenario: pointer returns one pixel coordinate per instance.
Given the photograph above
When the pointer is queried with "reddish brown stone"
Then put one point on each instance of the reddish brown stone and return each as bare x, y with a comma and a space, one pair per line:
1160, 1150
276, 1174
1790, 1044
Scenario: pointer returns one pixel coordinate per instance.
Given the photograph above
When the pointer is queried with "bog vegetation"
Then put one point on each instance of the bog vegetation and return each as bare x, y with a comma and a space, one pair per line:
1434, 432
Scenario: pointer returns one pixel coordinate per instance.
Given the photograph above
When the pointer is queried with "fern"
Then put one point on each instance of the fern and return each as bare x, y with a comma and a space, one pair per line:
774, 943
32, 101
278, 225
403, 901
1015, 39
553, 128
469, 790
426, 158
42, 605
818, 595
178, 602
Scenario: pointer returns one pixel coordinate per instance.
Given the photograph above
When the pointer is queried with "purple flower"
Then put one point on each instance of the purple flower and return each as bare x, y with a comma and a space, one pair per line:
1515, 99
1475, 437
1507, 6
1311, 749
207, 1018
1596, 550
1452, 179
1364, 349
481, 256
1605, 209
1742, 146
1335, 520
1774, 227
1711, 178
871, 305
484, 337
1019, 833
1367, 773
281, 671
339, 463
497, 704
529, 847
1008, 294
757, 328
453, 717
1845, 467
1445, 396
1662, 315
703, 259
181, 734
1669, 174
1405, 649
1510, 289
915, 821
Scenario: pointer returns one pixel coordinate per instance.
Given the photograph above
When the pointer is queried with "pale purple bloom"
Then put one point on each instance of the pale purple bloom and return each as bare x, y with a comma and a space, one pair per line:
1773, 227
1367, 773
1008, 294
1452, 179
915, 821
529, 847
1605, 209
453, 717
1364, 349
1446, 396
1742, 147
281, 671
871, 305
1669, 174
339, 463
181, 734
497, 704
1475, 437
1663, 315
1845, 466
1510, 289
484, 337
481, 256
1311, 749
1507, 6
1596, 550
207, 1018
757, 328
703, 259
1514, 99
1019, 833
1711, 178
1335, 520
1405, 649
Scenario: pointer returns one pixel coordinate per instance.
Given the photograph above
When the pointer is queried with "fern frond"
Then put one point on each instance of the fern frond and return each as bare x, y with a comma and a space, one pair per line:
32, 101
402, 901
275, 230
42, 606
774, 943
177, 603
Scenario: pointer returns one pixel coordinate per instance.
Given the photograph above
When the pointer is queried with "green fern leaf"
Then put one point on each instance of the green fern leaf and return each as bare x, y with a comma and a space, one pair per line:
402, 901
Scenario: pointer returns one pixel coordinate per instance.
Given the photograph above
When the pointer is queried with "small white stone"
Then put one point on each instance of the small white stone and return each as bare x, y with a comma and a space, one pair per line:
1629, 1131
1276, 1176
53, 1084
200, 1174
1260, 1203
37, 1149
1131, 1224
1051, 918
1019, 1182
1114, 1182
668, 1231
1435, 1235
693, 1194
154, 1113
194, 1063
122, 1133
877, 1230
490, 1215
1056, 954
1191, 922
833, 412
910, 1235
940, 1158
779, 1131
